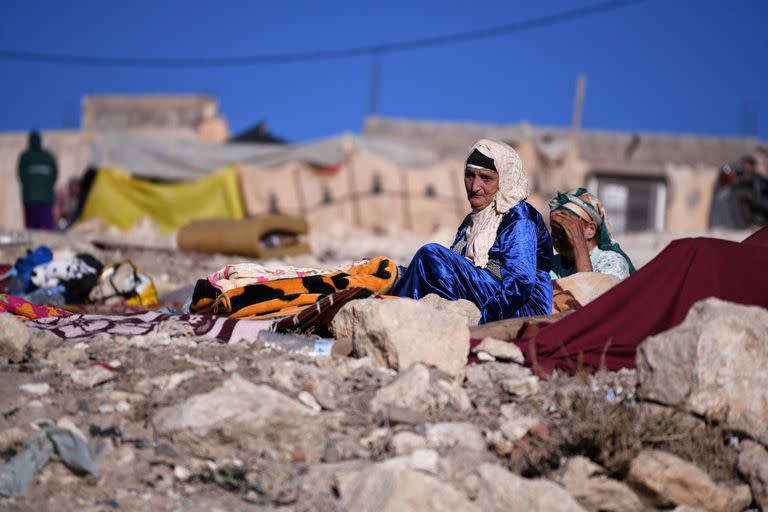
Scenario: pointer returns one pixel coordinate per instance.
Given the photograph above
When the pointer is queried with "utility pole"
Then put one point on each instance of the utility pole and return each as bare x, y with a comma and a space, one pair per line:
750, 119
578, 105
373, 92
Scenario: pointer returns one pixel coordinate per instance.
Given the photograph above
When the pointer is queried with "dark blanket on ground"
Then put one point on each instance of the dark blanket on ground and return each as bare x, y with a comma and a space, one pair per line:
608, 331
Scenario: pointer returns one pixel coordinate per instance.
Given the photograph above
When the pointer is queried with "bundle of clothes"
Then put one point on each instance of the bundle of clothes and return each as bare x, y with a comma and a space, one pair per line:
43, 277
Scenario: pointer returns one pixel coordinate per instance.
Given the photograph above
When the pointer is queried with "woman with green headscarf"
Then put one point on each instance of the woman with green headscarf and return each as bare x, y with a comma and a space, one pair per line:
582, 237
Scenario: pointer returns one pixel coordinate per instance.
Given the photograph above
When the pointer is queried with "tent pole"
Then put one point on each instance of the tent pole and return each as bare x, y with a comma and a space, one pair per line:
353, 196
407, 220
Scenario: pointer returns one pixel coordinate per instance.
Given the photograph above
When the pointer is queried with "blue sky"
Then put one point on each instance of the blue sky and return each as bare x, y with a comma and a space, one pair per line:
660, 65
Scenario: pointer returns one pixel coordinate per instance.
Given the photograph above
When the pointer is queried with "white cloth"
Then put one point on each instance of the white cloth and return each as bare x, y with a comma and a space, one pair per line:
513, 188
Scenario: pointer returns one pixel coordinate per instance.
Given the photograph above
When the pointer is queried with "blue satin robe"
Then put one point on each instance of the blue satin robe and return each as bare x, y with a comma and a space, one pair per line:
523, 248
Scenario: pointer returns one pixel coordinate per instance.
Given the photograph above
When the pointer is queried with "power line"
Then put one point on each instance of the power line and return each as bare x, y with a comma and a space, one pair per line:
294, 57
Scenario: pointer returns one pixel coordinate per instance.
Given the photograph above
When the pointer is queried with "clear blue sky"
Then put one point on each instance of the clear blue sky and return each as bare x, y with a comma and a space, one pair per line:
661, 65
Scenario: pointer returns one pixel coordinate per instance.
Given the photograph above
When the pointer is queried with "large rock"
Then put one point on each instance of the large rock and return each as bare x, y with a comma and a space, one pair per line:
400, 332
240, 414
395, 486
502, 491
587, 482
460, 307
420, 390
673, 481
235, 400
587, 286
753, 465
14, 338
714, 364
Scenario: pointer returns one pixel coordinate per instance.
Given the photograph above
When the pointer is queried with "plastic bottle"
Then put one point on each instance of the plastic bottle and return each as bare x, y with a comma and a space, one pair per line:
296, 343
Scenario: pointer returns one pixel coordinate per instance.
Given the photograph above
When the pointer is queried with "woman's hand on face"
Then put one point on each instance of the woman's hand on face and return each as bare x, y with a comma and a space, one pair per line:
574, 231
572, 228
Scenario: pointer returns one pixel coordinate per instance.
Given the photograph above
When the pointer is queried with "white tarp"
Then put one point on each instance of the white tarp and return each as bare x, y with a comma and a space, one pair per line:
173, 159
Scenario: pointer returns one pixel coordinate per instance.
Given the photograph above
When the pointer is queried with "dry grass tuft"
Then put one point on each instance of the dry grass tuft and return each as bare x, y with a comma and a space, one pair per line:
599, 418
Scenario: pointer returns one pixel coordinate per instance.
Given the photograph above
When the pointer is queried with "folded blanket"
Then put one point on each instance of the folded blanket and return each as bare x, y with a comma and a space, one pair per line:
244, 274
26, 310
285, 297
85, 327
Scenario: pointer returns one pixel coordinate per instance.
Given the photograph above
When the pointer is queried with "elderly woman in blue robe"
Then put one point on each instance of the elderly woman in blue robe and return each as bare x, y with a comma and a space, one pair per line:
502, 254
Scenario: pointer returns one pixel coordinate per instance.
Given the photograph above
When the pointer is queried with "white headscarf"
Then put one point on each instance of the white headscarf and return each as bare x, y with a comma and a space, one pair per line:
513, 188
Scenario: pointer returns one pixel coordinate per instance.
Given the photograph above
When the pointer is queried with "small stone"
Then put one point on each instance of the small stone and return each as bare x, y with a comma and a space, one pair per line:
753, 465
69, 424
485, 357
11, 437
458, 433
307, 399
401, 416
65, 358
521, 387
181, 473
229, 366
515, 425
406, 442
501, 350
477, 376
42, 341
377, 435
357, 363
123, 406
92, 376
14, 338
36, 388
424, 460
165, 383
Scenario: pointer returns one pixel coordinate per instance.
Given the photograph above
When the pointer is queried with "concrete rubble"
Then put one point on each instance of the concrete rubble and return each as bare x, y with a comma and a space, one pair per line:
185, 423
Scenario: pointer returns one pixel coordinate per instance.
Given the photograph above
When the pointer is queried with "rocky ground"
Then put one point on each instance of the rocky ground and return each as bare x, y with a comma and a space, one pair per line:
190, 424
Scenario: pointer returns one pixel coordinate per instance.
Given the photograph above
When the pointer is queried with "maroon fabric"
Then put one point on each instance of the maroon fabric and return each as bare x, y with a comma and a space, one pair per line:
654, 299
759, 237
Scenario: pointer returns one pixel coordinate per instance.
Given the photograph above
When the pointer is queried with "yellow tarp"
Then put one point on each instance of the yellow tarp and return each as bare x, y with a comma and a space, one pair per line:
121, 200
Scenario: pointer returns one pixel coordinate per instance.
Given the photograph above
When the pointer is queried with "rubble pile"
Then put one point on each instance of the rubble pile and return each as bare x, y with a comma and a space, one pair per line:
174, 421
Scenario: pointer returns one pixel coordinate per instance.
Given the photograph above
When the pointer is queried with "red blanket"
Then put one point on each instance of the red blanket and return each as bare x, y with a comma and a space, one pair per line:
656, 298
